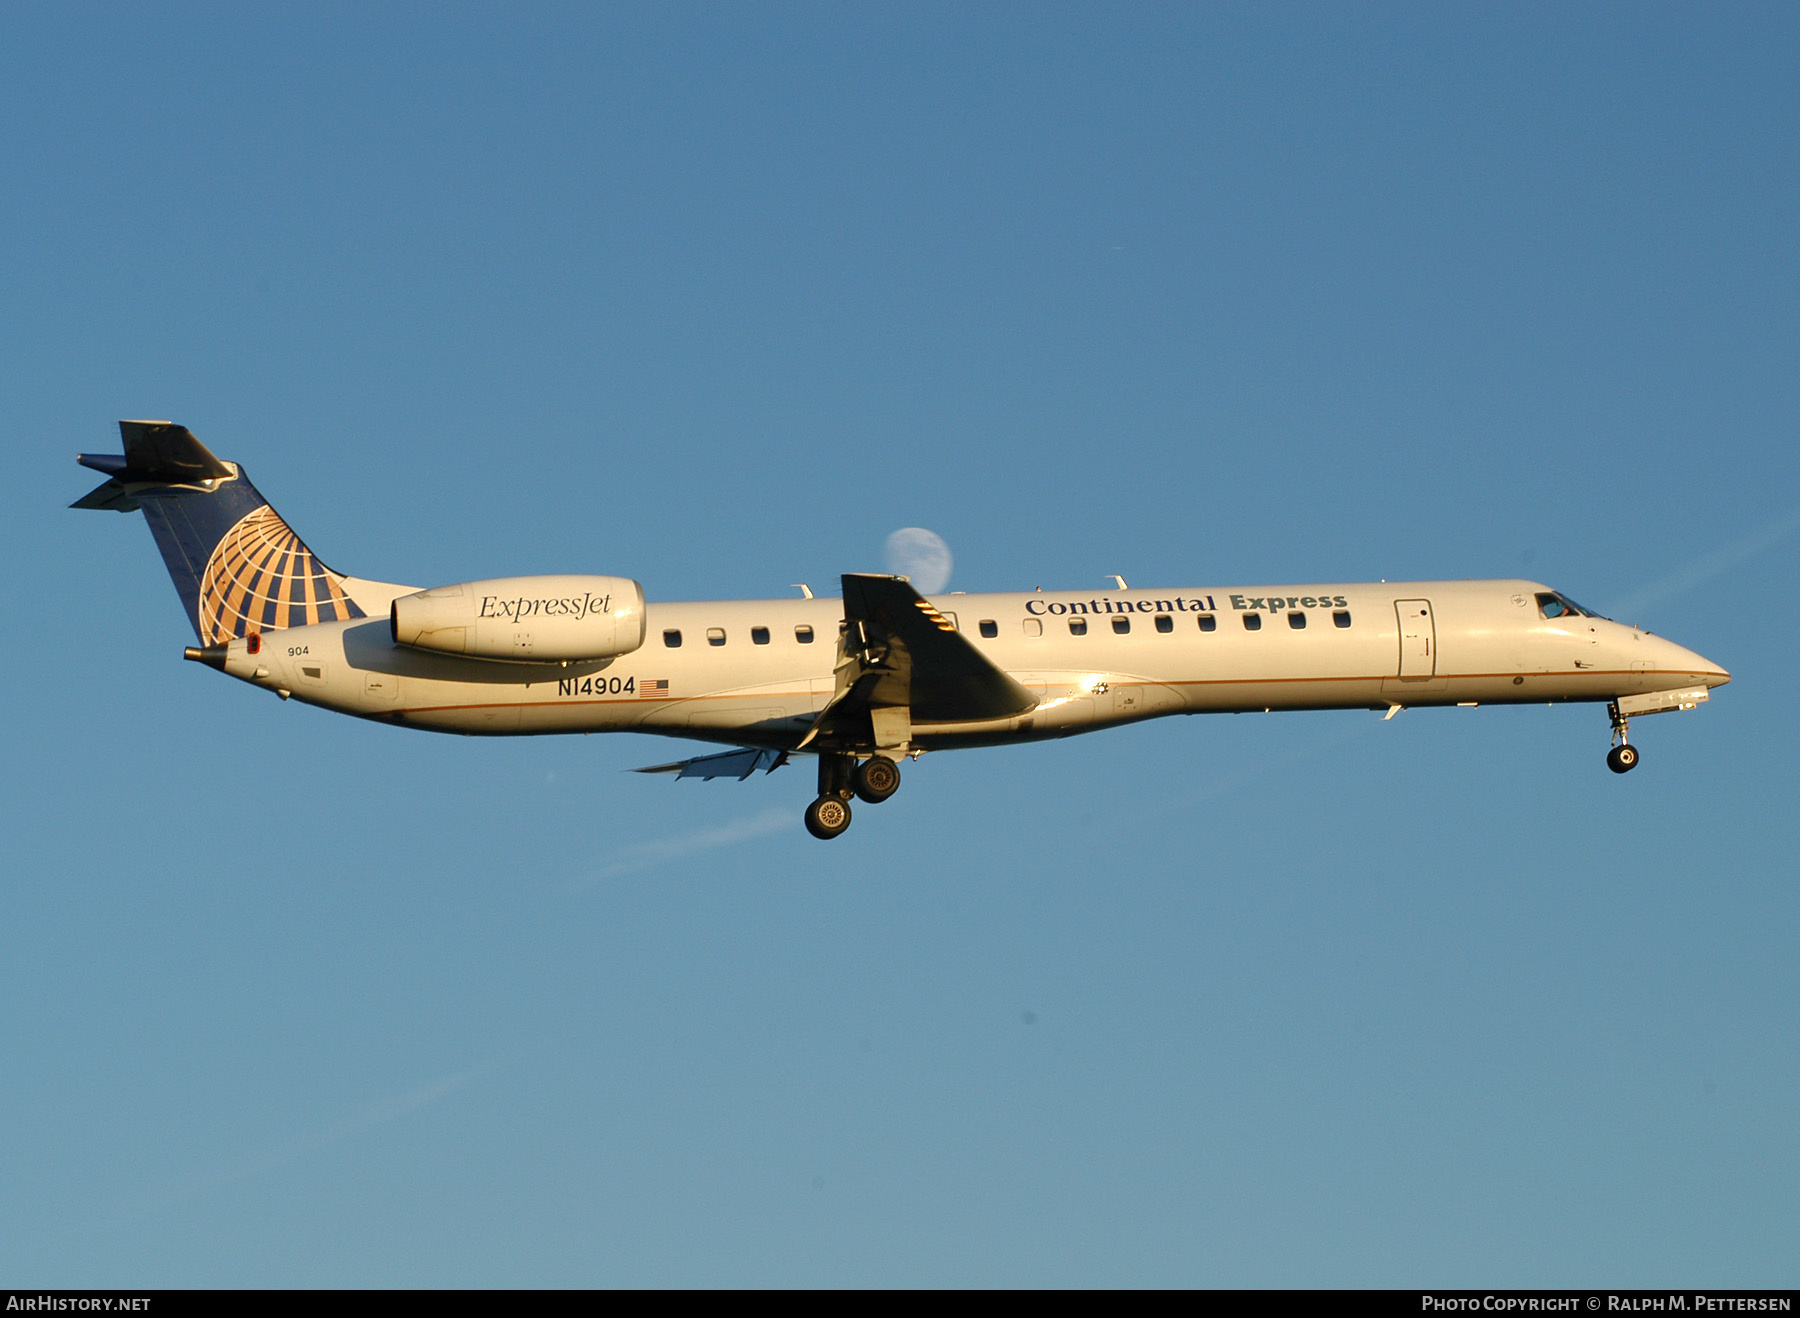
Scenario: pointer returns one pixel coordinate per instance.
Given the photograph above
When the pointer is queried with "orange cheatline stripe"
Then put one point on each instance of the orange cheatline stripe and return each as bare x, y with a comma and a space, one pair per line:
1395, 677
563, 703
641, 700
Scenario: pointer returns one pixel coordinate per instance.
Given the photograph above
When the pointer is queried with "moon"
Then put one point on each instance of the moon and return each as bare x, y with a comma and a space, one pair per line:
914, 552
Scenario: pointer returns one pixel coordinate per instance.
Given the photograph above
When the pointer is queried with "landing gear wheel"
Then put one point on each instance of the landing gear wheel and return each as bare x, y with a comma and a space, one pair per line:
876, 779
1622, 758
827, 817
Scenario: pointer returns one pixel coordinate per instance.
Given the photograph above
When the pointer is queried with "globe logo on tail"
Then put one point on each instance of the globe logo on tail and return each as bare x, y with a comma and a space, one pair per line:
261, 578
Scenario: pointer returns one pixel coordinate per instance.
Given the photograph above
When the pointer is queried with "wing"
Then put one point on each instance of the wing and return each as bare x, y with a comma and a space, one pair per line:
739, 764
898, 650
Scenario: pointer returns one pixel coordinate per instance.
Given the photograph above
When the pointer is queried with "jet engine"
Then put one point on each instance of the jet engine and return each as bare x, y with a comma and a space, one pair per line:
524, 619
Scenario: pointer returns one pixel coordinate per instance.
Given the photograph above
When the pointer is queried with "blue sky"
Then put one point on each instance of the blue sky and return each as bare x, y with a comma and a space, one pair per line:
718, 297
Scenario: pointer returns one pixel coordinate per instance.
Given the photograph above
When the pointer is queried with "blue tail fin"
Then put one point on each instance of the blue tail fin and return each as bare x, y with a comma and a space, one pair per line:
236, 565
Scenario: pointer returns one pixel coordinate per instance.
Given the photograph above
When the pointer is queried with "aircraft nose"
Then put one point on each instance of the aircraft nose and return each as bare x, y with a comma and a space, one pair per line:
1705, 669
1679, 659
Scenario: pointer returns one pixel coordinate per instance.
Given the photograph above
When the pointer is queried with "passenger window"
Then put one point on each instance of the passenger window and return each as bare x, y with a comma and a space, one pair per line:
1340, 619
990, 628
1165, 622
1121, 625
1297, 620
1034, 626
715, 636
1078, 626
672, 638
1208, 623
759, 636
1253, 622
803, 634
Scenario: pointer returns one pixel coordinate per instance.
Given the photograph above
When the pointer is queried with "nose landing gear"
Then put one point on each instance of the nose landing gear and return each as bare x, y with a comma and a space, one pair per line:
1623, 757
841, 776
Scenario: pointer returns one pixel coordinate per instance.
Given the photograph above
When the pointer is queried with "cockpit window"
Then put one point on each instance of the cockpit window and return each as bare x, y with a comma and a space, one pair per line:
1553, 605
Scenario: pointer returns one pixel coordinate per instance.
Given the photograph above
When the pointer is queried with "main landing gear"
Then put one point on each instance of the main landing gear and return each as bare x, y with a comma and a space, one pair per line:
876, 779
841, 776
827, 817
1623, 757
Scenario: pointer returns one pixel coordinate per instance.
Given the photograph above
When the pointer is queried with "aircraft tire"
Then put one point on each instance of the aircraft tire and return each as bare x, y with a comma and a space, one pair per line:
1622, 759
827, 817
876, 779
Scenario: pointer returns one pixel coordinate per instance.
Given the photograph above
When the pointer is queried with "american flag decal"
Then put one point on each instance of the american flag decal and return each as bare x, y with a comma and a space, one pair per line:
652, 687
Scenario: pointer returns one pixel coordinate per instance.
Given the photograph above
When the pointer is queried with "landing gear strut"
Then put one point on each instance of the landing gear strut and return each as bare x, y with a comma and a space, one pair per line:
830, 814
1623, 757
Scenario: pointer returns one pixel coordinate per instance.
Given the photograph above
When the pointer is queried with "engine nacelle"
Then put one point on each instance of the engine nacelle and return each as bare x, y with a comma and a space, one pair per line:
525, 619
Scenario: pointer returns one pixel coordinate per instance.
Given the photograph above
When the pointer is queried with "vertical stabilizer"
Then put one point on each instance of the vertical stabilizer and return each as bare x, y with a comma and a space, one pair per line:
236, 565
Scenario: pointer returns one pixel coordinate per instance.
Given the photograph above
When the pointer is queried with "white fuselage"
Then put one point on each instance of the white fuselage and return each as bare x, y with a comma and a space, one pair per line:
742, 674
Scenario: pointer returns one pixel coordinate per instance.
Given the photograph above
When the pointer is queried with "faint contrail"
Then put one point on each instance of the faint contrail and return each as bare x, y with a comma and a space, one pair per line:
374, 1115
388, 1109
1708, 566
643, 855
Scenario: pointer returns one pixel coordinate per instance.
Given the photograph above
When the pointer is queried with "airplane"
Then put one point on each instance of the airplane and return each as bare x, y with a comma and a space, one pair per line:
859, 682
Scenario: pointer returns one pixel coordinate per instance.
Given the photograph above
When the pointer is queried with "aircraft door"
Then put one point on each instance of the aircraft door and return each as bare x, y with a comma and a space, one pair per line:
1418, 638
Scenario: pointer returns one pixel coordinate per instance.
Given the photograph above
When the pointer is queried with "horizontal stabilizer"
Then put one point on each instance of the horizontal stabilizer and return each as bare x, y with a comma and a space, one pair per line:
110, 497
739, 764
158, 451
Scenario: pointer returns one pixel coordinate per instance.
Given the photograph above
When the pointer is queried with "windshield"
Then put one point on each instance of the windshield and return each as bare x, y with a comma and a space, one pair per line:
1554, 605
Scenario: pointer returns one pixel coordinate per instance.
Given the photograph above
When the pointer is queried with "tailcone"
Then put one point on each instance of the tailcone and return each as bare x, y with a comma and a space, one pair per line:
213, 656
